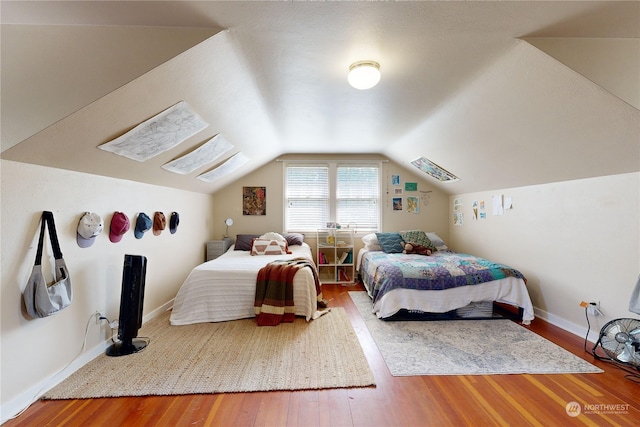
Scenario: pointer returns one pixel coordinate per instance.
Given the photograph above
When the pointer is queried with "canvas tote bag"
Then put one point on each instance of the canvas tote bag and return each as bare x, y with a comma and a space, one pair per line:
43, 299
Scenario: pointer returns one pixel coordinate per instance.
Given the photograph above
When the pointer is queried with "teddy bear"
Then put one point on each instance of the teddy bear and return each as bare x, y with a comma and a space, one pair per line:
416, 249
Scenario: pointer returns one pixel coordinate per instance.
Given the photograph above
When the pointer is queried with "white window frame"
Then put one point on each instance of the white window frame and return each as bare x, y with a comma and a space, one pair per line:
332, 166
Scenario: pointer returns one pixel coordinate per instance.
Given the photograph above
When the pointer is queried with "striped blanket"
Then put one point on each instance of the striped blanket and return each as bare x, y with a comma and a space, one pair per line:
274, 290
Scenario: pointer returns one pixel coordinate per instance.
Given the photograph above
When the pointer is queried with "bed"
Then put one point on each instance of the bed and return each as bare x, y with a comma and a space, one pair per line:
443, 282
224, 288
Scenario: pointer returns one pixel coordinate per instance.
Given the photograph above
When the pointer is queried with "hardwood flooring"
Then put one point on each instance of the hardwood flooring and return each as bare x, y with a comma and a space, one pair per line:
606, 399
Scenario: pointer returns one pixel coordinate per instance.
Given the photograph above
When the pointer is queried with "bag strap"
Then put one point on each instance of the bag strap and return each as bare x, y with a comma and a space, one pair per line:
47, 219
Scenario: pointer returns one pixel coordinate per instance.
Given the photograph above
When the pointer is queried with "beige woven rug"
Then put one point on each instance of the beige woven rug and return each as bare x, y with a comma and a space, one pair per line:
235, 356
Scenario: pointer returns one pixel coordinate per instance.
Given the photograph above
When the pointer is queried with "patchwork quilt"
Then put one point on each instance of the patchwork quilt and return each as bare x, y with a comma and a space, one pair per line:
442, 270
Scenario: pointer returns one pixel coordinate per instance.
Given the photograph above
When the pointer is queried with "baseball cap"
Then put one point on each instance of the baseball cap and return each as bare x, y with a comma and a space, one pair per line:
173, 222
89, 226
143, 224
119, 226
159, 223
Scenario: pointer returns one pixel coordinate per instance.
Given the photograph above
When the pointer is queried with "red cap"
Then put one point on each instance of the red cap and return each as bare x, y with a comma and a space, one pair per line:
119, 226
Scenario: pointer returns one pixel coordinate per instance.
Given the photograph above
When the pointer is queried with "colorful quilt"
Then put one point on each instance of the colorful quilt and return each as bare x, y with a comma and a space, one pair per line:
442, 270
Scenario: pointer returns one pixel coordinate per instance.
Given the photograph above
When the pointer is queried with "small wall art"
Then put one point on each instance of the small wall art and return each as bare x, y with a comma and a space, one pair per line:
254, 200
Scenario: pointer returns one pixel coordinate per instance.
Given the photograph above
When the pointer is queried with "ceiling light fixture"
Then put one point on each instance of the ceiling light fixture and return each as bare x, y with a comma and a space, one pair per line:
364, 74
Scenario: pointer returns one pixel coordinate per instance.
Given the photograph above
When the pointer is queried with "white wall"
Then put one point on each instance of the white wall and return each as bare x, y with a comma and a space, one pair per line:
572, 240
35, 350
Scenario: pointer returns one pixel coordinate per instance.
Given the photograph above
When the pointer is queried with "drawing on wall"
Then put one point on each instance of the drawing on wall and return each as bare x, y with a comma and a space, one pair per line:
395, 179
206, 153
474, 208
397, 203
457, 204
496, 201
160, 133
458, 218
424, 196
410, 186
254, 200
412, 205
397, 191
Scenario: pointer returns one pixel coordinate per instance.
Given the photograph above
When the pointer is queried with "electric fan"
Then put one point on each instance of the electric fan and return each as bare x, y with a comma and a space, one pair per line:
620, 340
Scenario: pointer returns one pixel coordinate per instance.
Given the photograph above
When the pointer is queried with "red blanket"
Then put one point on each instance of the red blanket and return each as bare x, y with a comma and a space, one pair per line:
274, 290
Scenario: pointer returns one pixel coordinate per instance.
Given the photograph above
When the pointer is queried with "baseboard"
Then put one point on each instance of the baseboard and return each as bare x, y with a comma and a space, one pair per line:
21, 402
571, 327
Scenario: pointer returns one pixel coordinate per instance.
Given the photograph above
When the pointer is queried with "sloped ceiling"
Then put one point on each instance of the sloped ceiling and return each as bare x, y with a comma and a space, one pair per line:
461, 85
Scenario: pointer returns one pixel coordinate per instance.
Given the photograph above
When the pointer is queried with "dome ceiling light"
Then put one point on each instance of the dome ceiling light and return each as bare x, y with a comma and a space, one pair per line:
364, 74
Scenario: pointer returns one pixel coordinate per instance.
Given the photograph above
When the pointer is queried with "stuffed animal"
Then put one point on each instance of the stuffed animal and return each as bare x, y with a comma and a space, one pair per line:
416, 249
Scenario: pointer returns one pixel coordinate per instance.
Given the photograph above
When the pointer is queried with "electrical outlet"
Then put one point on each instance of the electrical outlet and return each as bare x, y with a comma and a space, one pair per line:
593, 308
100, 313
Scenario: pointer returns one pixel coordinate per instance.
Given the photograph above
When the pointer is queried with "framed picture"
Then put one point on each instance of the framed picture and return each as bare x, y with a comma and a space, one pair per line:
397, 203
410, 186
254, 200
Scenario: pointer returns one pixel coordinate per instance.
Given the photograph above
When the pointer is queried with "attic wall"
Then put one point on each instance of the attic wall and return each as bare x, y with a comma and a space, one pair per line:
35, 350
228, 201
573, 240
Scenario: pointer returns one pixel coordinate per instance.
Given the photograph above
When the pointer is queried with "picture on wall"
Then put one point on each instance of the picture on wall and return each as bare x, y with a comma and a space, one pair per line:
412, 205
397, 203
254, 200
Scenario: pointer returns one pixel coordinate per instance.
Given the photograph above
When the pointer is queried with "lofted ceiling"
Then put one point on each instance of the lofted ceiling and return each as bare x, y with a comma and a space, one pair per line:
469, 85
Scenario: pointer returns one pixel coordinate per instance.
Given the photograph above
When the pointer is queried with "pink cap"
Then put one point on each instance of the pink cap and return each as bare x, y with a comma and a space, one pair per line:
119, 226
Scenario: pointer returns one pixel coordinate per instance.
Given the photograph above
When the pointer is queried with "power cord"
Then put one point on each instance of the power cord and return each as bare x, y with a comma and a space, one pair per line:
46, 384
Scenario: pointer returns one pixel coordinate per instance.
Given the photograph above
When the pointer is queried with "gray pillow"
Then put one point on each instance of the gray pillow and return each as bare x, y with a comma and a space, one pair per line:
294, 238
244, 241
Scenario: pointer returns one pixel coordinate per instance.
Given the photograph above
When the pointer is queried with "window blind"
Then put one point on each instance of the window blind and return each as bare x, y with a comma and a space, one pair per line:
344, 193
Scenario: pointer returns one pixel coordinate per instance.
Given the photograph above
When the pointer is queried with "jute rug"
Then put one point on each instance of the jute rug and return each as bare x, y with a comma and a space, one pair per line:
465, 347
235, 356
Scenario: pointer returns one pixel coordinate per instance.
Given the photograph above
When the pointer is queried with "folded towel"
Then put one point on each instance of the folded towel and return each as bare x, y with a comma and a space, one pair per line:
634, 302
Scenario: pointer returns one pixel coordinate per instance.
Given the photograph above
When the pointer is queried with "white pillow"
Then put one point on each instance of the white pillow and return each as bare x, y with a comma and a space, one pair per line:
371, 242
273, 236
438, 242
370, 239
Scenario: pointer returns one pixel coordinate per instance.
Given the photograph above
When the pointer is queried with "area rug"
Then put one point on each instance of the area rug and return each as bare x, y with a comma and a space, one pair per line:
234, 356
465, 347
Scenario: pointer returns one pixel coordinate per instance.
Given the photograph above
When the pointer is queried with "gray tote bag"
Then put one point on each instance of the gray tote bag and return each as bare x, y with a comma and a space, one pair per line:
43, 299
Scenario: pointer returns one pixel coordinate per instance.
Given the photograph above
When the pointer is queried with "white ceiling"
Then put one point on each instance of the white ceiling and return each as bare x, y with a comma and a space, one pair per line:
460, 85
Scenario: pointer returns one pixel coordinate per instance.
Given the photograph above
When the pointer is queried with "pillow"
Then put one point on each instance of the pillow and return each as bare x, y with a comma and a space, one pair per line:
391, 242
439, 244
294, 238
373, 247
269, 247
371, 242
272, 236
371, 238
417, 238
243, 241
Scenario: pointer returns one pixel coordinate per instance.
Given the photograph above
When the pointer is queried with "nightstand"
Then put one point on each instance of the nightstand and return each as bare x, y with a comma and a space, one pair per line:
215, 248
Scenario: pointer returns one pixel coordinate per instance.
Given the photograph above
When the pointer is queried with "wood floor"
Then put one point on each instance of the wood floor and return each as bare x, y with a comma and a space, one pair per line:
511, 400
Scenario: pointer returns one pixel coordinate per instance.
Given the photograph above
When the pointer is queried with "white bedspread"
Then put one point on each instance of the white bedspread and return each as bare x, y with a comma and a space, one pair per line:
509, 290
224, 288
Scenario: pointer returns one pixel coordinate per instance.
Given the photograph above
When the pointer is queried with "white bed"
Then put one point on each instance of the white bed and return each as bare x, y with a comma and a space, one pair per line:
224, 288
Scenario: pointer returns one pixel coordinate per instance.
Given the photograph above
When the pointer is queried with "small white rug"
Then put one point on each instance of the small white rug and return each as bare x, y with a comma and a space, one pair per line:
465, 347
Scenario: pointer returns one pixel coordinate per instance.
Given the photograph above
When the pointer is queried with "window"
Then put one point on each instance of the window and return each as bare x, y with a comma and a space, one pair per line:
346, 193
